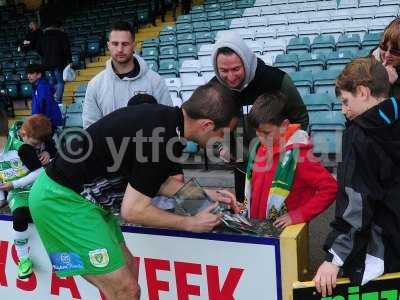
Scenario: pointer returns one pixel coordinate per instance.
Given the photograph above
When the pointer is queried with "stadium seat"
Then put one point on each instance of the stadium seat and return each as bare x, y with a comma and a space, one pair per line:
229, 6
277, 46
168, 52
244, 4
343, 4
257, 21
232, 14
326, 120
184, 19
298, 45
151, 42
269, 10
277, 20
187, 51
215, 15
332, 28
311, 62
303, 80
364, 13
351, 43
189, 86
167, 40
339, 15
326, 5
150, 53
201, 26
286, 62
298, 18
251, 12
368, 3
204, 53
184, 28
264, 35
75, 107
238, 23
320, 16
358, 26
338, 59
11, 88
324, 81
371, 40
204, 38
217, 25
197, 9
190, 68
377, 25
389, 11
363, 52
307, 7
186, 38
25, 89
201, 17
287, 9
168, 30
323, 44
73, 120
168, 68
174, 85
318, 102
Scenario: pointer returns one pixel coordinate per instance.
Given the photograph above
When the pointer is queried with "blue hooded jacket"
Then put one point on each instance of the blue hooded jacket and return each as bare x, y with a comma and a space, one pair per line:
43, 103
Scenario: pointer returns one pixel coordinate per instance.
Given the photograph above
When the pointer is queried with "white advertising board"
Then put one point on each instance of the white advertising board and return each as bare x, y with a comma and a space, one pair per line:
173, 265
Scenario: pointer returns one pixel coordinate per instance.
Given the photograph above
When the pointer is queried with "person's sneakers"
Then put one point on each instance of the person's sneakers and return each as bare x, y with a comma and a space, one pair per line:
24, 268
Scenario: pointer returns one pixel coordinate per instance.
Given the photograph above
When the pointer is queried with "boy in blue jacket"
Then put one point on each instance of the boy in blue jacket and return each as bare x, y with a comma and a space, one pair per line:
43, 96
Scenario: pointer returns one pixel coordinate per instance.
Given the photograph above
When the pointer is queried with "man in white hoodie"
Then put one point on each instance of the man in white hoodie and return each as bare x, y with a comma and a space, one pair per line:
125, 76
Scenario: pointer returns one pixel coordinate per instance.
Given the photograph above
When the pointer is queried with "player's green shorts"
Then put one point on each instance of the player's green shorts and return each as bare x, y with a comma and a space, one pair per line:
80, 237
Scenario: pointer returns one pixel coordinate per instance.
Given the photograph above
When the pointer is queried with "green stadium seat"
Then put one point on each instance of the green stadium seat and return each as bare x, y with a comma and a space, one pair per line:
298, 45
230, 5
303, 80
11, 88
318, 102
168, 30
286, 62
184, 28
338, 60
151, 42
245, 4
152, 64
25, 89
167, 40
168, 52
324, 81
197, 9
218, 25
204, 38
187, 51
311, 62
201, 17
212, 7
323, 44
215, 15
168, 68
201, 26
186, 38
371, 40
233, 14
150, 53
364, 52
184, 19
349, 42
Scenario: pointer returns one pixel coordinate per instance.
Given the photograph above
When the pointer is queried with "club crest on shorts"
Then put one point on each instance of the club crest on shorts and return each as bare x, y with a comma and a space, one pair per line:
99, 258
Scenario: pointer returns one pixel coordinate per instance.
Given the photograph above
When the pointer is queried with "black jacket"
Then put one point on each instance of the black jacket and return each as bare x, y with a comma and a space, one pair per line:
55, 49
268, 79
366, 229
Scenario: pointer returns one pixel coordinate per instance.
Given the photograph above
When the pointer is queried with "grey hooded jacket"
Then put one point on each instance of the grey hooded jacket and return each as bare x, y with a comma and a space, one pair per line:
261, 78
106, 92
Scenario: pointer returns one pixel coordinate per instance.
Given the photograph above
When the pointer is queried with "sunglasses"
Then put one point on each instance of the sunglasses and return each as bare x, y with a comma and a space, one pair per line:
392, 51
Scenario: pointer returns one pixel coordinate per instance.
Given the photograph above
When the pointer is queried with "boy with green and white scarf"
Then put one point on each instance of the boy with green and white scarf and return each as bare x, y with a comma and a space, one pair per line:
284, 181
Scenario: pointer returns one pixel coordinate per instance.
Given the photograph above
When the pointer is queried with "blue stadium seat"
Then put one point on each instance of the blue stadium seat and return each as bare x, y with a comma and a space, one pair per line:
150, 53
186, 38
201, 17
217, 25
168, 52
349, 42
167, 40
317, 102
168, 68
201, 26
371, 40
184, 28
215, 15
25, 89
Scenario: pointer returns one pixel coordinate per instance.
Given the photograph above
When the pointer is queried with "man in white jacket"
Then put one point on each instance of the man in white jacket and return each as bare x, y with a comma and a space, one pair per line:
125, 76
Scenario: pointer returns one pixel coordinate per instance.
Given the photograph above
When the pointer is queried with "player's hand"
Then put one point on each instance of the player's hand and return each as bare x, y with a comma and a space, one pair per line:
325, 279
203, 221
226, 197
283, 221
6, 186
44, 158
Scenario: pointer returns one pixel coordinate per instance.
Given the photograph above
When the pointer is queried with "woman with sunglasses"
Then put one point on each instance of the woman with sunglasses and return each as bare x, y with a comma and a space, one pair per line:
388, 52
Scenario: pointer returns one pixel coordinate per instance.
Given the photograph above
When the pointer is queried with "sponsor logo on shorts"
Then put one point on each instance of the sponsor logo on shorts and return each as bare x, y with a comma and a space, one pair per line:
66, 261
99, 258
